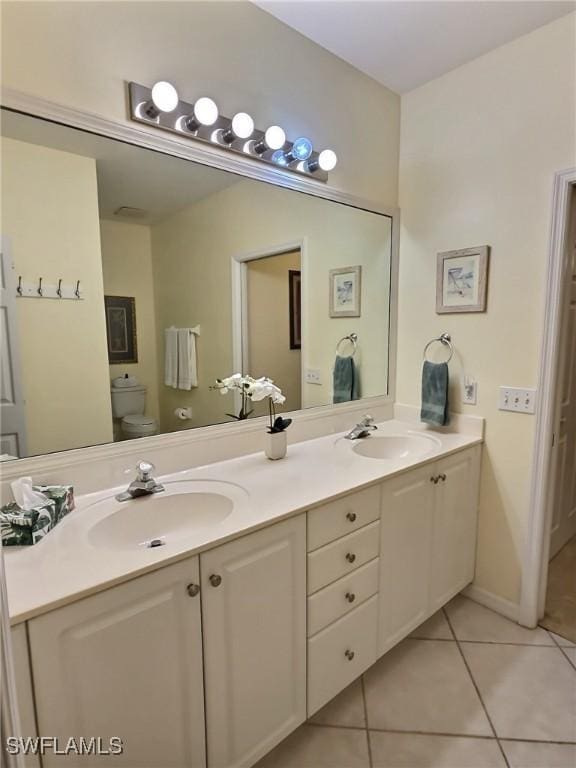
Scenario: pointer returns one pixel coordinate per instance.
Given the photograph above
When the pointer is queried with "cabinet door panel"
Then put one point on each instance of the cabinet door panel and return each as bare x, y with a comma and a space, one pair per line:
406, 533
24, 692
455, 522
254, 642
126, 662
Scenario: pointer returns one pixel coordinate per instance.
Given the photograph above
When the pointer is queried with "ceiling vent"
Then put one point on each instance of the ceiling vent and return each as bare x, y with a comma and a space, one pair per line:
128, 212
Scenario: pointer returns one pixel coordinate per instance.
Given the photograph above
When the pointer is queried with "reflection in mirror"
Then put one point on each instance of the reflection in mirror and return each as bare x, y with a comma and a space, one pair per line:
187, 274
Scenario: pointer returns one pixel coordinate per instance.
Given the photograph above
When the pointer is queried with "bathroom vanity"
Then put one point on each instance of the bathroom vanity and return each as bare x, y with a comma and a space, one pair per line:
209, 650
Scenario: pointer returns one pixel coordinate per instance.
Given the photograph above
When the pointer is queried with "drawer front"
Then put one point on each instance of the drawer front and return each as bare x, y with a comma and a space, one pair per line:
345, 595
340, 653
342, 556
336, 519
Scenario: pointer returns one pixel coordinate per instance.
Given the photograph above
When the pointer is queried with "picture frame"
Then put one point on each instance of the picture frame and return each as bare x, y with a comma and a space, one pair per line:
295, 307
121, 329
462, 280
346, 291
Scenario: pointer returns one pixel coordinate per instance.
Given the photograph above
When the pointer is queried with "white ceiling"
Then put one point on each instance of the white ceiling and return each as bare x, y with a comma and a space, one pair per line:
405, 43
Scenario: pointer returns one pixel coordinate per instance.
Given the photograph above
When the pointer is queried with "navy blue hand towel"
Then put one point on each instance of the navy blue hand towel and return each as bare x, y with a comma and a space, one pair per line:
435, 394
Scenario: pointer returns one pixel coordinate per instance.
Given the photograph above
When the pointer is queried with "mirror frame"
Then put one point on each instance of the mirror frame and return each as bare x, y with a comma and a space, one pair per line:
128, 132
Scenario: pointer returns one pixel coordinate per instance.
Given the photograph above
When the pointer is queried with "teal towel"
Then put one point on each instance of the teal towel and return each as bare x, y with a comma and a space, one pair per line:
435, 379
346, 383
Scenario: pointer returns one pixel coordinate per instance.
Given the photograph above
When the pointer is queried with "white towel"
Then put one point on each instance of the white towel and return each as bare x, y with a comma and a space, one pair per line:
171, 357
187, 370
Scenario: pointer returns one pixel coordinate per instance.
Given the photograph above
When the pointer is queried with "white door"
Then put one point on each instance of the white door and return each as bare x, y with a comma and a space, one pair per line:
406, 533
564, 504
254, 619
12, 437
125, 663
455, 524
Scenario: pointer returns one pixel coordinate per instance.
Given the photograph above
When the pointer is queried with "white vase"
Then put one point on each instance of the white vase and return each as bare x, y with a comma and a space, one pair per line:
275, 445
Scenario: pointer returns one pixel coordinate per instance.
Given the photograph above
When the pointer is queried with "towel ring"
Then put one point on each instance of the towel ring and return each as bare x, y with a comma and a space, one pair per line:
444, 339
353, 339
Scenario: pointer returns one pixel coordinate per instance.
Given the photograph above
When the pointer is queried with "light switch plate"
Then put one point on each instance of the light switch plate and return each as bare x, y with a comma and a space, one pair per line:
469, 391
518, 399
313, 376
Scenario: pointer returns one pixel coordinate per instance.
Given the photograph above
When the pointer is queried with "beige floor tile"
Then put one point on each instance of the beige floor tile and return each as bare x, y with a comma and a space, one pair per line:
529, 691
407, 750
471, 621
560, 613
346, 709
313, 746
524, 754
571, 653
563, 641
436, 628
423, 685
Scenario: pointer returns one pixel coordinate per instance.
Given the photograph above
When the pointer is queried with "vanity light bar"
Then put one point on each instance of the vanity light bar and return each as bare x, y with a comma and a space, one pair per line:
160, 106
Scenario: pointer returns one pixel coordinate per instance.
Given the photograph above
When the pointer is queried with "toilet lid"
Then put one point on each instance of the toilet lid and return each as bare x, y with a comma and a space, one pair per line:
139, 421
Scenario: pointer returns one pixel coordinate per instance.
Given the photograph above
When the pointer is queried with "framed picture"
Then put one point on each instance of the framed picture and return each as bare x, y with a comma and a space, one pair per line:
295, 305
121, 329
345, 291
462, 280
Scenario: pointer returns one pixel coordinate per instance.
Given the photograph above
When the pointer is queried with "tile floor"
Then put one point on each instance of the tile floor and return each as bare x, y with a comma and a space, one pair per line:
561, 593
468, 689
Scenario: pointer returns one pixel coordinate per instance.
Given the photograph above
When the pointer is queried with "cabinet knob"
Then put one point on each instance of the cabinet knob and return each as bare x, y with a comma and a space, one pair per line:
350, 557
442, 477
434, 479
351, 516
350, 596
215, 580
349, 654
193, 589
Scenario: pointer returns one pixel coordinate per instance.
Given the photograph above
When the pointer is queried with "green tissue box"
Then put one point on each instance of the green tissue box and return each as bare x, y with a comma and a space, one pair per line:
19, 527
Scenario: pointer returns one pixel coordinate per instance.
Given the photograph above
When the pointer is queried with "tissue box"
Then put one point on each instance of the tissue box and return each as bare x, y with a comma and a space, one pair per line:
19, 527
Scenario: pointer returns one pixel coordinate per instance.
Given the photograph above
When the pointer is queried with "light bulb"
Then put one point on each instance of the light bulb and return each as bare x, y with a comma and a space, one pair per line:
275, 137
242, 125
205, 111
301, 148
279, 158
164, 96
327, 160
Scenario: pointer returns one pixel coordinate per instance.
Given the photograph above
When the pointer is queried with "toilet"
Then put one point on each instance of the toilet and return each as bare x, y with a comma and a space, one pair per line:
128, 404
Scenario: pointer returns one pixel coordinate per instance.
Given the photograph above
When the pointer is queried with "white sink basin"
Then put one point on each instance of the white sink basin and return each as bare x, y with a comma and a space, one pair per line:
395, 447
182, 509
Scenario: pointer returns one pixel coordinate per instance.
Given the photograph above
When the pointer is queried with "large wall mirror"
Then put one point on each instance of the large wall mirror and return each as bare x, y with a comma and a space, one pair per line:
187, 274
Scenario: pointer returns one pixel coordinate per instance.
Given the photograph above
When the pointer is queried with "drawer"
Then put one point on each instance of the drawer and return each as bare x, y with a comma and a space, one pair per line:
341, 597
342, 556
340, 653
343, 516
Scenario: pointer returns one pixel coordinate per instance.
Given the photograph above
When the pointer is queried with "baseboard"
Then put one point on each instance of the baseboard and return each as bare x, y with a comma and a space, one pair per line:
496, 603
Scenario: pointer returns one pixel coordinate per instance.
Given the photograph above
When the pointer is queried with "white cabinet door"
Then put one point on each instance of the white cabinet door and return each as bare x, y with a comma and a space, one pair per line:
24, 691
455, 522
254, 618
127, 663
405, 537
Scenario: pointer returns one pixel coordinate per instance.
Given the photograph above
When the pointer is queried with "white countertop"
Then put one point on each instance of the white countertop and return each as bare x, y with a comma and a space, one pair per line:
67, 565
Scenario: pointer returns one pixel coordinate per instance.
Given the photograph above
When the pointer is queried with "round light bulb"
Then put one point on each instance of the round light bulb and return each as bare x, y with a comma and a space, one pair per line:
279, 158
275, 137
164, 96
327, 160
206, 111
302, 148
242, 125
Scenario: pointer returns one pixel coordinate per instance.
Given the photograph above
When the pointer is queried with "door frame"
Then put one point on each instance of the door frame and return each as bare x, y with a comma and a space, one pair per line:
239, 264
537, 539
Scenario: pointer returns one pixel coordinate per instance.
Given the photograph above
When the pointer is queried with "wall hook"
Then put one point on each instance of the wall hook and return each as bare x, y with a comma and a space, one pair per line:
40, 287
19, 288
59, 289
77, 291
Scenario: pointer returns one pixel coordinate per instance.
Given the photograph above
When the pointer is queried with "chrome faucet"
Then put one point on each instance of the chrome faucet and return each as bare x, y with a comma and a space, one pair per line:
143, 485
362, 429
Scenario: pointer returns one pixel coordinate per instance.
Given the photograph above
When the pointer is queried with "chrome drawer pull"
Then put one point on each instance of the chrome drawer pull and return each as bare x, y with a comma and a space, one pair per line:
193, 589
442, 477
435, 479
350, 596
215, 580
351, 516
349, 654
350, 557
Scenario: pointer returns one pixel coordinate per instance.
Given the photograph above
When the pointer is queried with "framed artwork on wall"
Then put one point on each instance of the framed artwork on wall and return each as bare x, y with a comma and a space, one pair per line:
462, 280
295, 306
121, 329
345, 291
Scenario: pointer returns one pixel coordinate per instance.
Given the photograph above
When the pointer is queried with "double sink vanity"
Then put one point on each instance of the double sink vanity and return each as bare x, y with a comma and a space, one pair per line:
204, 623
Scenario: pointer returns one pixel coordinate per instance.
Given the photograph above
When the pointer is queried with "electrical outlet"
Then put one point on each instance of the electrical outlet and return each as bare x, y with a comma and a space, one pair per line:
313, 376
520, 400
470, 391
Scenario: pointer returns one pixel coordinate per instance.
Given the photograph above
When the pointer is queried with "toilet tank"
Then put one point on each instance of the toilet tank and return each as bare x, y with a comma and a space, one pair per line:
128, 401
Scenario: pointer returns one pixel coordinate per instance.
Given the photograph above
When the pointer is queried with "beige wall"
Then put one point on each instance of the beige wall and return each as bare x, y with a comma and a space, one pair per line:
127, 268
81, 54
192, 255
50, 214
269, 327
480, 146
